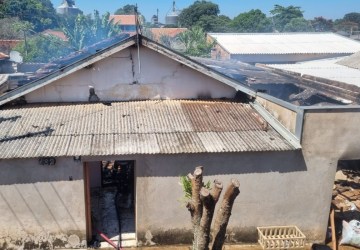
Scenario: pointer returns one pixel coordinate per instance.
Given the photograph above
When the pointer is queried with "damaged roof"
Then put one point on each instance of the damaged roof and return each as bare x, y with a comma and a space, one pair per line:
286, 43
65, 66
283, 85
143, 127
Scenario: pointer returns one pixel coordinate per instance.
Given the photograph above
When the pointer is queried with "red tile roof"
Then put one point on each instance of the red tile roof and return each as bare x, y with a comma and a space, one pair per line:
7, 45
56, 33
171, 32
3, 56
123, 19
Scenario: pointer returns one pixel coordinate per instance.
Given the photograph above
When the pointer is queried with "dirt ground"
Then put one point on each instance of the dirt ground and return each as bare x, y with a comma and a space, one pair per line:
235, 247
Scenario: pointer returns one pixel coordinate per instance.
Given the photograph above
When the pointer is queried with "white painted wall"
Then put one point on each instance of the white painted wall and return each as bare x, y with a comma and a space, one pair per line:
118, 78
39, 206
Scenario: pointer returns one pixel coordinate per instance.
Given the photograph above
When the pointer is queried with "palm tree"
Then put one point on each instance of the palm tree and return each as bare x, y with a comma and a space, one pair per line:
86, 30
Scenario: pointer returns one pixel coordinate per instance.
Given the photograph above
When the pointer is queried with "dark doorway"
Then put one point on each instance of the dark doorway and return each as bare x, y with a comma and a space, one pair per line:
112, 198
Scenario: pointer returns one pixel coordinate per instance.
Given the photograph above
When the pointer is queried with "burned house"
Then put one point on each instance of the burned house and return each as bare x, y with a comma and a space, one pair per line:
120, 124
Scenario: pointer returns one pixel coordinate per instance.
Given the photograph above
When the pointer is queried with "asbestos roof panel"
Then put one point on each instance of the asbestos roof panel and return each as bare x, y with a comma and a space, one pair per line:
286, 43
144, 127
326, 68
352, 61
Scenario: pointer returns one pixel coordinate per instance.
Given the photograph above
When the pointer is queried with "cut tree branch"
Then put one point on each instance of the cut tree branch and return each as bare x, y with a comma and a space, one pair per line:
223, 214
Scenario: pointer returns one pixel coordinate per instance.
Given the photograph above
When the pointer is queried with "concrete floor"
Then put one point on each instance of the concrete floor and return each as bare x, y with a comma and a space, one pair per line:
104, 214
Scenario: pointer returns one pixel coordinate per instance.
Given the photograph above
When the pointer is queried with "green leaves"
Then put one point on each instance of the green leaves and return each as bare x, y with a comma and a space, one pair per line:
126, 10
42, 49
40, 13
298, 25
87, 30
195, 42
190, 16
283, 15
186, 185
185, 182
252, 21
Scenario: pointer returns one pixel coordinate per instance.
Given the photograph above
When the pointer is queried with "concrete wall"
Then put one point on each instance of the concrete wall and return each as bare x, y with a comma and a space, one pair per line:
285, 116
328, 136
118, 78
41, 207
277, 188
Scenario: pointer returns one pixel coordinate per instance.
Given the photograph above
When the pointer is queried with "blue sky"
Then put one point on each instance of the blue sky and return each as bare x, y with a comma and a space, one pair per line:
327, 8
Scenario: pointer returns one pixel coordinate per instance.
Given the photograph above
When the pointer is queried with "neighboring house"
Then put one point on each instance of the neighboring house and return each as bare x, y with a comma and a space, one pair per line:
7, 45
281, 47
159, 114
127, 22
157, 33
56, 33
167, 36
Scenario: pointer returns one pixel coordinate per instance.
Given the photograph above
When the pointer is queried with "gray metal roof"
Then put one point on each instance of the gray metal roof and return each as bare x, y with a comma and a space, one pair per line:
144, 127
286, 43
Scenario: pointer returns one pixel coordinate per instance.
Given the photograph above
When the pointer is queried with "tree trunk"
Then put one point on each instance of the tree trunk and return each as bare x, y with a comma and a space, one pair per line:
209, 201
224, 213
195, 205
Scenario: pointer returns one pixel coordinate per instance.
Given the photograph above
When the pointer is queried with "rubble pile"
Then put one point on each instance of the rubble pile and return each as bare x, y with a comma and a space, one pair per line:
346, 191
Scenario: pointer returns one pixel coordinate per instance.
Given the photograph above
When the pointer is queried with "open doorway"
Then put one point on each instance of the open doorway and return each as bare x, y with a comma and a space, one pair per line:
111, 206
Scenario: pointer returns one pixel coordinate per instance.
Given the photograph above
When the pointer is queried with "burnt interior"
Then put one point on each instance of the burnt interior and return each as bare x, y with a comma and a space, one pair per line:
112, 202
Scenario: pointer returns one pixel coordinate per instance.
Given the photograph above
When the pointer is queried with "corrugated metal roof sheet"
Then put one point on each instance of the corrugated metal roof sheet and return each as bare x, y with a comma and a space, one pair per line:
286, 43
326, 68
144, 127
352, 61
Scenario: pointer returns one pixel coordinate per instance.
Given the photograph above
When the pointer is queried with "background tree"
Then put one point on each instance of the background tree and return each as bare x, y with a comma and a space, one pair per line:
88, 30
40, 13
195, 42
352, 17
298, 25
191, 15
252, 21
321, 24
7, 28
219, 23
283, 15
201, 202
42, 49
345, 26
126, 10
